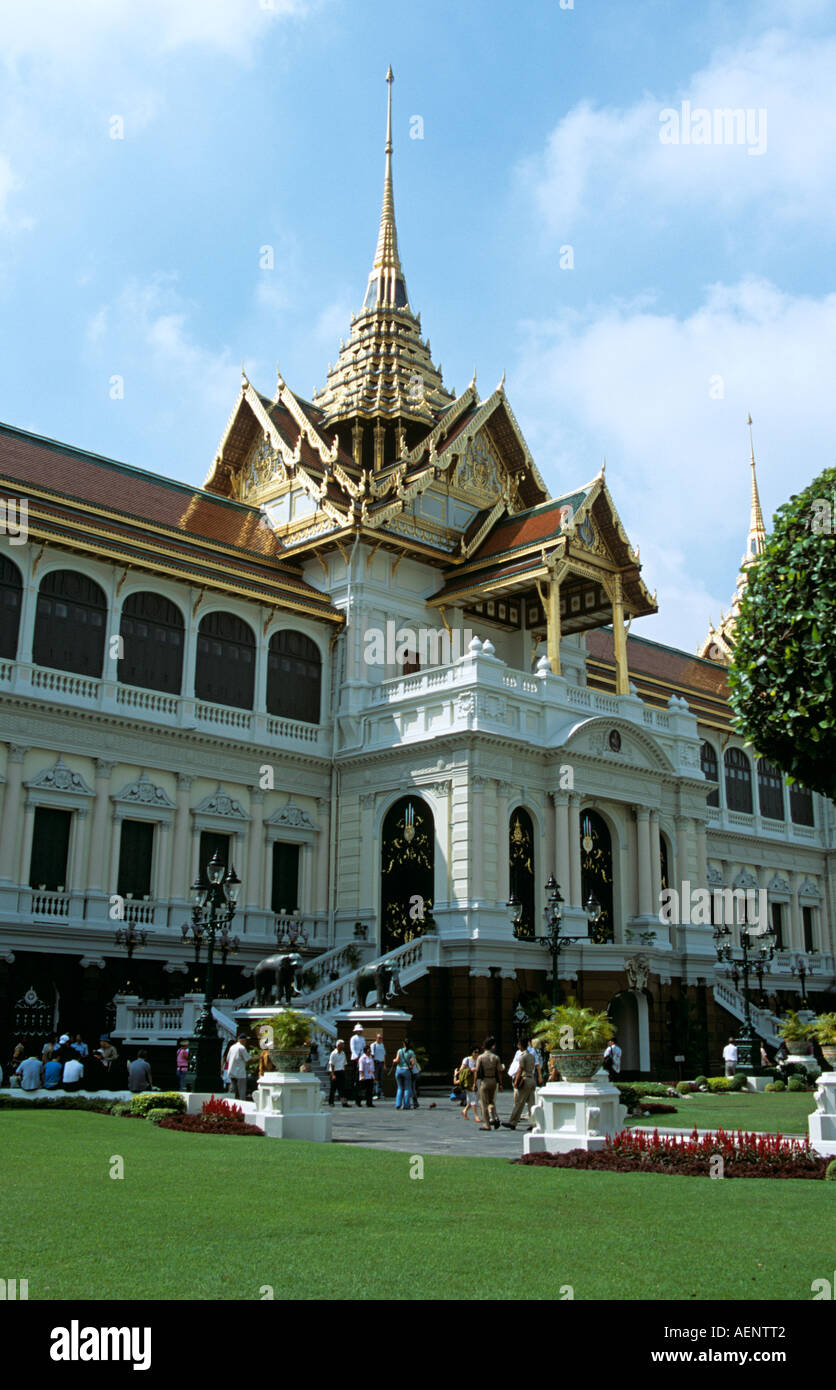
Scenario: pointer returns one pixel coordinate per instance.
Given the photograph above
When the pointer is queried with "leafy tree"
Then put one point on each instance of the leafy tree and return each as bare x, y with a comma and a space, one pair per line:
783, 673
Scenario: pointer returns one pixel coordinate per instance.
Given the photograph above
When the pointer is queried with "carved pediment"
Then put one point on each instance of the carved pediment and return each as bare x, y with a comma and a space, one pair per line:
809, 889
619, 743
143, 792
292, 816
777, 884
220, 803
60, 778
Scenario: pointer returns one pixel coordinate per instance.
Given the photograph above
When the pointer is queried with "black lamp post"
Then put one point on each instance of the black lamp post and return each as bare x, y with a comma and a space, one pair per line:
212, 914
131, 939
753, 959
552, 938
802, 966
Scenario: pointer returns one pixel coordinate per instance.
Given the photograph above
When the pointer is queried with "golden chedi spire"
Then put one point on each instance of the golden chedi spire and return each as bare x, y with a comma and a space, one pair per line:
719, 644
384, 387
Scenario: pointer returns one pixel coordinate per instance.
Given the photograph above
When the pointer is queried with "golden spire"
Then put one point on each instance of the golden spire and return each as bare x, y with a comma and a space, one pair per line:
387, 288
756, 540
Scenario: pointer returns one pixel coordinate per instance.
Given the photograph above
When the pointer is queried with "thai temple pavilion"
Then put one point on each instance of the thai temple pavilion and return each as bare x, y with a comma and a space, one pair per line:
374, 665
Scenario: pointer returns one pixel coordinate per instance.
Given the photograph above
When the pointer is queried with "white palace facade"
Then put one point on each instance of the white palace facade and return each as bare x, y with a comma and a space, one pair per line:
377, 667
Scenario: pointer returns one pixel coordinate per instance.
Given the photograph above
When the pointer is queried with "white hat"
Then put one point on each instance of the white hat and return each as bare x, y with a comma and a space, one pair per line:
64, 1038
358, 1028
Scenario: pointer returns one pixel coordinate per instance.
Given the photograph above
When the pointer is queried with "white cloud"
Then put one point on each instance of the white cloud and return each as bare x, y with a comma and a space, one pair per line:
9, 183
636, 385
46, 29
601, 159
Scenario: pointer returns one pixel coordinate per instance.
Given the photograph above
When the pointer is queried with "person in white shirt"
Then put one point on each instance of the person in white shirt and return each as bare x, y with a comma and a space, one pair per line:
236, 1066
515, 1066
336, 1070
72, 1075
730, 1057
378, 1052
357, 1045
365, 1067
612, 1059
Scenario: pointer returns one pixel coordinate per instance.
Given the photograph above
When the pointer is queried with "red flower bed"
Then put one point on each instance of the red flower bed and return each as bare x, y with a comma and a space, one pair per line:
744, 1155
209, 1124
222, 1109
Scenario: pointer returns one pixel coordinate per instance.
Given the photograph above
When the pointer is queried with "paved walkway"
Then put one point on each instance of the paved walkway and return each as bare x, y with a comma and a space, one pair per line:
426, 1131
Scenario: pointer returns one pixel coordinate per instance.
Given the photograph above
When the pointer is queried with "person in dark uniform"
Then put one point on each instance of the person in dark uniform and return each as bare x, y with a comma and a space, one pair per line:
489, 1079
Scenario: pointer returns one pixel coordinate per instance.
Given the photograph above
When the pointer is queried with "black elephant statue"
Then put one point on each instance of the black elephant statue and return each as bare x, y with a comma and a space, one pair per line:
382, 978
275, 978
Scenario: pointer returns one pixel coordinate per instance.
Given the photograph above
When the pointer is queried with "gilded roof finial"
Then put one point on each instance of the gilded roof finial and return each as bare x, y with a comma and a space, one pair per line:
387, 289
756, 539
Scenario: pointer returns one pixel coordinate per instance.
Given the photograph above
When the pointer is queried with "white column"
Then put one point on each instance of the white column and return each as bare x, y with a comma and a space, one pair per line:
503, 868
98, 850
304, 892
477, 846
796, 925
702, 854
180, 872
655, 861
10, 826
320, 904
574, 849
115, 848
77, 857
161, 861
26, 842
255, 855
561, 842
644, 861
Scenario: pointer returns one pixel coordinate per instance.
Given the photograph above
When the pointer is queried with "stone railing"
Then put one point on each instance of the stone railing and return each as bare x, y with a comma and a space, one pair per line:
149, 1020
181, 711
411, 960
339, 961
55, 904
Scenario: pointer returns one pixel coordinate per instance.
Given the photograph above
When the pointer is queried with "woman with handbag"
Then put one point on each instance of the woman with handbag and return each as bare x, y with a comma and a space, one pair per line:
402, 1067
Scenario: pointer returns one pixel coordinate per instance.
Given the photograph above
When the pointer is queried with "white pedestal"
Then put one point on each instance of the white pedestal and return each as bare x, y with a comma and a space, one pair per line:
575, 1115
822, 1123
289, 1105
805, 1060
757, 1083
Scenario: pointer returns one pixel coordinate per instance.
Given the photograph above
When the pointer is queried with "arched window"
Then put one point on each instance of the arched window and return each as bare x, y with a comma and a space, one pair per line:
70, 624
407, 859
801, 805
738, 781
708, 763
11, 588
225, 664
770, 790
152, 636
521, 869
596, 873
294, 675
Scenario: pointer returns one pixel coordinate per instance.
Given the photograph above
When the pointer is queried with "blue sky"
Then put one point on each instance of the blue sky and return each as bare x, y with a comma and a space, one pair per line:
702, 285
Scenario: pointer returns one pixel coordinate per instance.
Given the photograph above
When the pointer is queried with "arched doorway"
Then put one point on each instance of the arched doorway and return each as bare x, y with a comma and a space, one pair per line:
628, 1011
521, 868
596, 872
407, 871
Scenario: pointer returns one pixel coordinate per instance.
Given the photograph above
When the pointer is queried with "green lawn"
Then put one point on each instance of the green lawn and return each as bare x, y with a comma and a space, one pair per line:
757, 1111
198, 1217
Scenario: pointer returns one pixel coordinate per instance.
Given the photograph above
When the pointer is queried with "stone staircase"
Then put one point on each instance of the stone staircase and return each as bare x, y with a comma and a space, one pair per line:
765, 1024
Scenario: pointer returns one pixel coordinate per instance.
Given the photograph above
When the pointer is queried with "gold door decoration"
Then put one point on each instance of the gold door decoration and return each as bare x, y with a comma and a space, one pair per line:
596, 873
407, 871
521, 868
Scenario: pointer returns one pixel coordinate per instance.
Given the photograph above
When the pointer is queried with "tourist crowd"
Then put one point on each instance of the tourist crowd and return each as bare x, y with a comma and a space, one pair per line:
66, 1064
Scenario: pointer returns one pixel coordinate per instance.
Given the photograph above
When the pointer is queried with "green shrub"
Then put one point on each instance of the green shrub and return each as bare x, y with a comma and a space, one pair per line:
685, 1087
830, 1171
719, 1085
796, 1084
155, 1100
121, 1107
779, 1085
700, 1081
629, 1094
737, 1082
162, 1114
17, 1102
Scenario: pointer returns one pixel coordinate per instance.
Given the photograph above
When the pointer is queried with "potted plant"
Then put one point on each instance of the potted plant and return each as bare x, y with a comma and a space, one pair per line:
824, 1030
291, 1039
796, 1033
576, 1038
